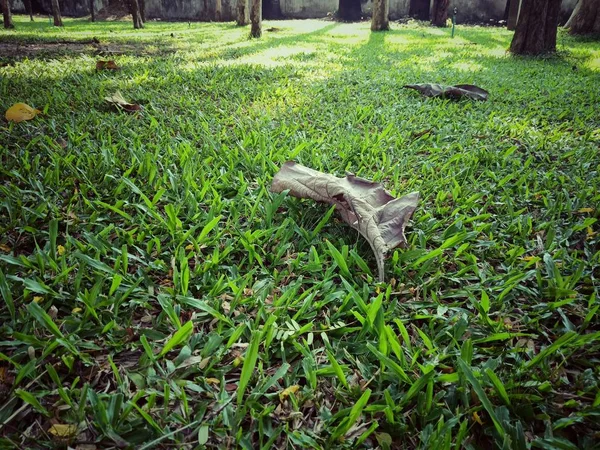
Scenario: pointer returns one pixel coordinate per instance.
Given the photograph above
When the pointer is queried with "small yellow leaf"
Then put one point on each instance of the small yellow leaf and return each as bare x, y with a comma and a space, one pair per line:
590, 232
585, 210
20, 112
60, 250
477, 419
63, 431
189, 247
288, 391
213, 381
5, 248
37, 299
76, 310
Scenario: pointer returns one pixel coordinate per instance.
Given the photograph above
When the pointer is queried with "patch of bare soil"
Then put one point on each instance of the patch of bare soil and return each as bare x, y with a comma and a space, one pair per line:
19, 50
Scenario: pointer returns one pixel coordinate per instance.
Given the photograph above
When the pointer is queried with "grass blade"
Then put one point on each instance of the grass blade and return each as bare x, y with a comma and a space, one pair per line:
249, 365
181, 336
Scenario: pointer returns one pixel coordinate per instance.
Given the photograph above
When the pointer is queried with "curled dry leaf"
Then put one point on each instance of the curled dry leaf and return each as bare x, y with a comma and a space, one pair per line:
364, 205
454, 92
283, 395
118, 100
63, 431
107, 65
20, 112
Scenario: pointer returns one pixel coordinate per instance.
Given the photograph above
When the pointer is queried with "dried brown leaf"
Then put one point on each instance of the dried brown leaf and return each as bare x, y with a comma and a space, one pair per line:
107, 65
364, 205
19, 112
454, 92
120, 102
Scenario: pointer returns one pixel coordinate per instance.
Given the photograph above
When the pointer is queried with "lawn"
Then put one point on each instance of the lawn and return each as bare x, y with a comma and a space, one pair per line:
155, 294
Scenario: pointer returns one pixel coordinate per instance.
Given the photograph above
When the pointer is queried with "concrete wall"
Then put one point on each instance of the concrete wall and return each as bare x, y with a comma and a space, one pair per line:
75, 8
478, 10
468, 10
189, 9
305, 9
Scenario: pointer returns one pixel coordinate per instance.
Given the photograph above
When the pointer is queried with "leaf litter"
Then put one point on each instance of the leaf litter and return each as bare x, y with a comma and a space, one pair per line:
20, 112
364, 205
119, 102
457, 92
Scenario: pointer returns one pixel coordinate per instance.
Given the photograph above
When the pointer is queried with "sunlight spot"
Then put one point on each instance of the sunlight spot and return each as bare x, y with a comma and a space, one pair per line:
594, 64
467, 66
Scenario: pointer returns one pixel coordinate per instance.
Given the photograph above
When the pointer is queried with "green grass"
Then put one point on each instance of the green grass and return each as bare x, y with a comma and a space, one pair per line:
154, 293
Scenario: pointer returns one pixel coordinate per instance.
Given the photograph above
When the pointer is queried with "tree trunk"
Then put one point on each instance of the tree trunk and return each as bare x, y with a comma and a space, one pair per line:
142, 5
256, 19
92, 11
381, 11
419, 9
349, 10
536, 28
585, 18
573, 14
513, 14
243, 13
8, 23
56, 14
218, 9
134, 8
439, 14
29, 9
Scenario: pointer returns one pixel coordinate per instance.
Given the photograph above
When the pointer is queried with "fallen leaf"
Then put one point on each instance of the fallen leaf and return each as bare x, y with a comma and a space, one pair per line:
118, 100
107, 65
5, 248
189, 247
226, 307
384, 440
60, 250
590, 233
213, 381
454, 92
585, 210
364, 205
53, 312
37, 299
63, 431
283, 395
530, 258
76, 310
20, 112
477, 418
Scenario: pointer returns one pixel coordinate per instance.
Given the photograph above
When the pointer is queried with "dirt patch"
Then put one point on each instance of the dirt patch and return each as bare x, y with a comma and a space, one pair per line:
20, 50
28, 50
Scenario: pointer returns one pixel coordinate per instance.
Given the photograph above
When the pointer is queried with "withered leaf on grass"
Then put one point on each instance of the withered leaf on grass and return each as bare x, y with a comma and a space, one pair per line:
20, 112
63, 431
118, 100
107, 65
364, 205
454, 92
